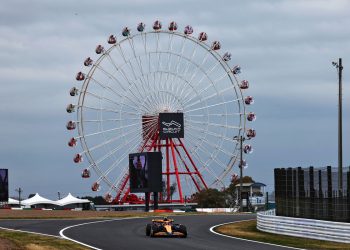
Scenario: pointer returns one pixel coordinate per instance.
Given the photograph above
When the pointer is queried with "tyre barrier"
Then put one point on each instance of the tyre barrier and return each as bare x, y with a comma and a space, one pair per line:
307, 228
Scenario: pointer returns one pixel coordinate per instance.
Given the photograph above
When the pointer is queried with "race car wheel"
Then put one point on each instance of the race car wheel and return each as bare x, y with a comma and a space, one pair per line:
183, 230
148, 229
153, 230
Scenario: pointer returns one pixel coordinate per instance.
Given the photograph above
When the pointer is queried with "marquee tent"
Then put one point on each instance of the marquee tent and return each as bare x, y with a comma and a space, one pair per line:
70, 199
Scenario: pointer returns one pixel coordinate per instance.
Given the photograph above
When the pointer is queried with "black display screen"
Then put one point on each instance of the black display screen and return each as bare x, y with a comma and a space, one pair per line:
145, 170
4, 185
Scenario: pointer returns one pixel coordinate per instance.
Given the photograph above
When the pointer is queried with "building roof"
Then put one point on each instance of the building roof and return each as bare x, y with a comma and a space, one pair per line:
37, 199
13, 202
70, 199
256, 184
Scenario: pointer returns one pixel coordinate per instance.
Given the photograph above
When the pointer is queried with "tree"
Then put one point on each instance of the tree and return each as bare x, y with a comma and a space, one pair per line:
164, 190
210, 198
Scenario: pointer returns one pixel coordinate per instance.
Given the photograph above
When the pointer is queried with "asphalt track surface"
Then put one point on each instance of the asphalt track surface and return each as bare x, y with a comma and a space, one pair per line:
130, 233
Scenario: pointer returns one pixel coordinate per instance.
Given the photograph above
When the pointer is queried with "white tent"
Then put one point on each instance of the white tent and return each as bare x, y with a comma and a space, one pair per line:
13, 202
36, 200
70, 199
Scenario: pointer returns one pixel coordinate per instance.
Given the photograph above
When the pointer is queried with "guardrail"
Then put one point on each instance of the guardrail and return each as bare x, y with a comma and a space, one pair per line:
307, 228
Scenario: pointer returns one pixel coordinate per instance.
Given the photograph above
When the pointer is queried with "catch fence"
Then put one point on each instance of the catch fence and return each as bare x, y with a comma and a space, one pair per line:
312, 193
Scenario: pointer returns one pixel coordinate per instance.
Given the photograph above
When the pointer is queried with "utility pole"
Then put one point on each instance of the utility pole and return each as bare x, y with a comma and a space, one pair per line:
59, 195
19, 190
339, 67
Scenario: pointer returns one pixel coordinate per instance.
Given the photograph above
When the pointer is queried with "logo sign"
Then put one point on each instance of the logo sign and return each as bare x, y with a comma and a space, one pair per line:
171, 125
4, 185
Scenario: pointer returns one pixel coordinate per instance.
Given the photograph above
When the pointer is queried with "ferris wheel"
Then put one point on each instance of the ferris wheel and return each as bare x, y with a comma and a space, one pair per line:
137, 77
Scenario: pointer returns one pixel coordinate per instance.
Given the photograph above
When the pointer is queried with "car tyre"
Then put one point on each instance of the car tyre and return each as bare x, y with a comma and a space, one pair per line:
148, 229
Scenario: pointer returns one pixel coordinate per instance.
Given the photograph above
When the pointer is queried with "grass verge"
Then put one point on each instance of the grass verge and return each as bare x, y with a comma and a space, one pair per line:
248, 230
27, 241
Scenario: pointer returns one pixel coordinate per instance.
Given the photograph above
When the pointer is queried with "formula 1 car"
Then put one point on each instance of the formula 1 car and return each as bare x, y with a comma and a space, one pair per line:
165, 227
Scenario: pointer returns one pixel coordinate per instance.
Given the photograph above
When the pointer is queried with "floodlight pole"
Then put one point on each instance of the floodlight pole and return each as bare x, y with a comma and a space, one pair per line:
339, 67
19, 190
340, 131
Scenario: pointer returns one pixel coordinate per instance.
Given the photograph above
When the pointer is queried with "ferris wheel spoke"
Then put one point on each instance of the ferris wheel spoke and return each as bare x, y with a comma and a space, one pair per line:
212, 157
108, 130
131, 82
113, 151
106, 142
198, 68
203, 131
108, 120
209, 97
116, 163
210, 106
204, 166
217, 114
138, 61
109, 100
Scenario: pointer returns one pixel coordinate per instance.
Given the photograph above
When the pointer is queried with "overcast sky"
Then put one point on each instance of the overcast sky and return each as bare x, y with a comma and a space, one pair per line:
285, 49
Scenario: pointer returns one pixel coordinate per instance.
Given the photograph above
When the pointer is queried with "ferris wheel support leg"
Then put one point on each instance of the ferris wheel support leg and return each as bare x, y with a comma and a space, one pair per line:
121, 190
176, 170
126, 195
188, 170
167, 170
193, 164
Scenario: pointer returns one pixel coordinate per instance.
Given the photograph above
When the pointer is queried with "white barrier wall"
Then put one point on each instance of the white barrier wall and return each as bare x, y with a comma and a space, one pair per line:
315, 229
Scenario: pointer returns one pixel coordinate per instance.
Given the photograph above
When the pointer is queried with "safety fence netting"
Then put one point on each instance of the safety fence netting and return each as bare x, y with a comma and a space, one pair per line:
313, 193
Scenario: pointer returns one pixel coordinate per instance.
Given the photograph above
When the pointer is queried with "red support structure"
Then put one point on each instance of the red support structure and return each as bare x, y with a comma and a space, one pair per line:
153, 142
176, 170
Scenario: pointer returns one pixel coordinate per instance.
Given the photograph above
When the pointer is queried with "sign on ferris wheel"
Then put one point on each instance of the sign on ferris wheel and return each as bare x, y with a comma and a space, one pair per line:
160, 90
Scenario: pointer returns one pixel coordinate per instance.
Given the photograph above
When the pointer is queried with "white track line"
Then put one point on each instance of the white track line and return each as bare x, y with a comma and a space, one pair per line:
236, 238
22, 231
86, 223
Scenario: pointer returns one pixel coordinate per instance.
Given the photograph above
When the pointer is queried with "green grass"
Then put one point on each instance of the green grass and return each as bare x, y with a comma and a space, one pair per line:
248, 230
20, 240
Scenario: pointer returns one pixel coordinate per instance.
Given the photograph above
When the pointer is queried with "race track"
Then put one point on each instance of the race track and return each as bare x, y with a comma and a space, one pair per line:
130, 233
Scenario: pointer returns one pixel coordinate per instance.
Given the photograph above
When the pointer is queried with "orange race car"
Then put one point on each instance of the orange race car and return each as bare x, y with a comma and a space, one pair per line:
165, 227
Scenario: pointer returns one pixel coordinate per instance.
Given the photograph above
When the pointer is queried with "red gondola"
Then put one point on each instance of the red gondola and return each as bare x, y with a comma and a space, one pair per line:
80, 76
216, 45
157, 25
99, 49
244, 84
172, 26
72, 142
202, 36
108, 198
112, 39
251, 117
88, 62
71, 125
247, 149
85, 173
188, 30
249, 100
78, 158
95, 187
251, 133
